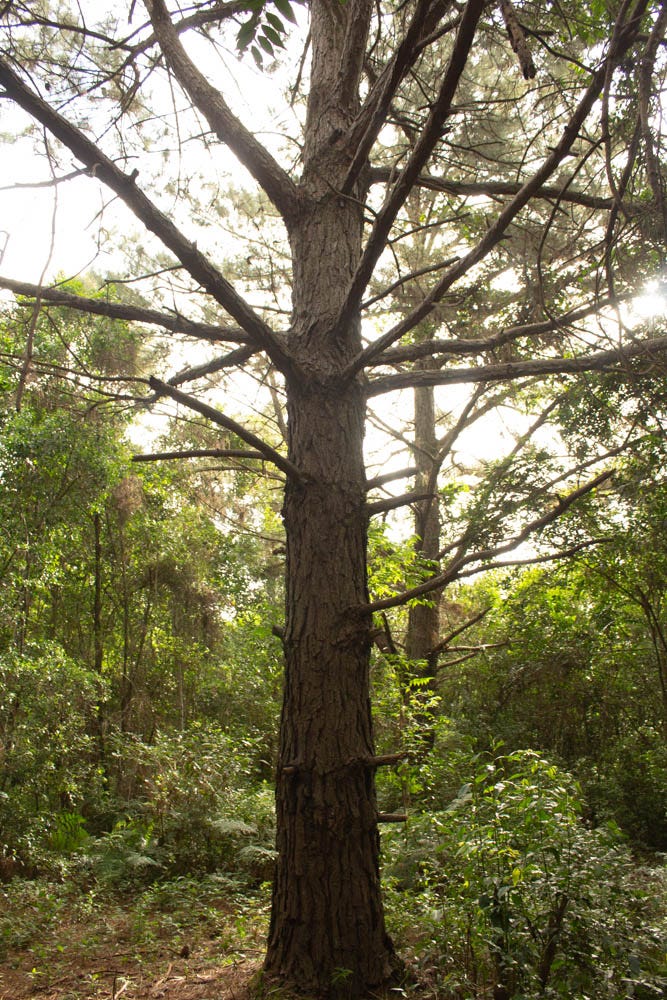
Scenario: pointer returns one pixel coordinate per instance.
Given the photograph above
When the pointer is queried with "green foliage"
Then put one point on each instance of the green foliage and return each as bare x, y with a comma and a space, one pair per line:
28, 910
578, 677
68, 833
516, 895
43, 924
265, 30
394, 565
188, 808
48, 752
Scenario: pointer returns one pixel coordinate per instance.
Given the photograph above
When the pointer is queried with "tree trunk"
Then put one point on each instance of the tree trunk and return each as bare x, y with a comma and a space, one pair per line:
424, 619
327, 920
327, 928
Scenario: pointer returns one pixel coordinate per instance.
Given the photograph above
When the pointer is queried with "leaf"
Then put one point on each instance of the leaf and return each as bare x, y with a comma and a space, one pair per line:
275, 21
273, 36
285, 9
266, 44
246, 34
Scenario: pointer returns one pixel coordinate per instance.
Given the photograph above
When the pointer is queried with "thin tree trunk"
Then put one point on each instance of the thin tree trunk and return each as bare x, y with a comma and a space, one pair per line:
101, 721
98, 650
424, 619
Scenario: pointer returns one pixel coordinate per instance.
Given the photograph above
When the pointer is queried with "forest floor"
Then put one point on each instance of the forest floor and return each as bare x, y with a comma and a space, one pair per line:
123, 949
112, 978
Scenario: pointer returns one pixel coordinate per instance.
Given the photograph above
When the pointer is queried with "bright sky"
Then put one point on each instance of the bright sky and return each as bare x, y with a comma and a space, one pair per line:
29, 214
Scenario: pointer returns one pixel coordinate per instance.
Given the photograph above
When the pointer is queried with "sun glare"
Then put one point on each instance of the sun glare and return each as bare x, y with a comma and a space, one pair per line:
652, 303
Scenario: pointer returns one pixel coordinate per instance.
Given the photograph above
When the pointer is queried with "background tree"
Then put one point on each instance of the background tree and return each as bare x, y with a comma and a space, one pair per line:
570, 169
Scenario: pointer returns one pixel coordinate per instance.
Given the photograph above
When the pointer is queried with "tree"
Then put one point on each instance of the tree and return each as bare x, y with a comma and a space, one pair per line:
564, 161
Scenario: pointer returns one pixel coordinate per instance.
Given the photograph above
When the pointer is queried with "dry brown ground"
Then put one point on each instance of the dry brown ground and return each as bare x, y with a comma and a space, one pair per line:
118, 950
201, 976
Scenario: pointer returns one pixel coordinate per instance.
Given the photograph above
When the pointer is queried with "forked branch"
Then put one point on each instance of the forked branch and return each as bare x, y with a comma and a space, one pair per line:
216, 417
462, 347
372, 116
489, 556
426, 143
57, 296
614, 360
624, 35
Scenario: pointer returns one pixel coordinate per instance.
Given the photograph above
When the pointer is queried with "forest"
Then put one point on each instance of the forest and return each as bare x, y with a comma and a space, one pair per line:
333, 500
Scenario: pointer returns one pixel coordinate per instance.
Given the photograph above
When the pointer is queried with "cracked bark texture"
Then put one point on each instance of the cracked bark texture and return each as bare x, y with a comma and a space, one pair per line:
327, 926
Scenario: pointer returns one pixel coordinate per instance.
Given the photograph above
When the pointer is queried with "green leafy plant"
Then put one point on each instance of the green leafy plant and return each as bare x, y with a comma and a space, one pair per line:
517, 895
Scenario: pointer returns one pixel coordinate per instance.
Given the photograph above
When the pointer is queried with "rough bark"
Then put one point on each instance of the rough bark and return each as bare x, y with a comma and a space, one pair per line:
327, 929
327, 920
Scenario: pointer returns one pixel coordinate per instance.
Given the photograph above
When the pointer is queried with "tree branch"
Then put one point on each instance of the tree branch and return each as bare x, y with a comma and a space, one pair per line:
209, 101
534, 560
517, 39
232, 360
646, 117
165, 456
426, 143
444, 643
216, 417
455, 569
372, 116
104, 169
117, 310
391, 503
654, 350
388, 477
623, 36
418, 273
494, 189
413, 352
212, 13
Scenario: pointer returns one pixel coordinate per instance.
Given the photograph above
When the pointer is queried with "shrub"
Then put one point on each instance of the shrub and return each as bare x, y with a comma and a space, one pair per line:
49, 757
518, 899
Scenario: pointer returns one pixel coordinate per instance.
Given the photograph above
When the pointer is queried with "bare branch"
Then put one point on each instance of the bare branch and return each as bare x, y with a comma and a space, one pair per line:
117, 310
495, 189
372, 116
216, 417
124, 185
652, 351
418, 273
444, 643
389, 477
232, 360
52, 182
431, 133
210, 14
459, 659
209, 101
391, 503
459, 348
517, 39
166, 456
